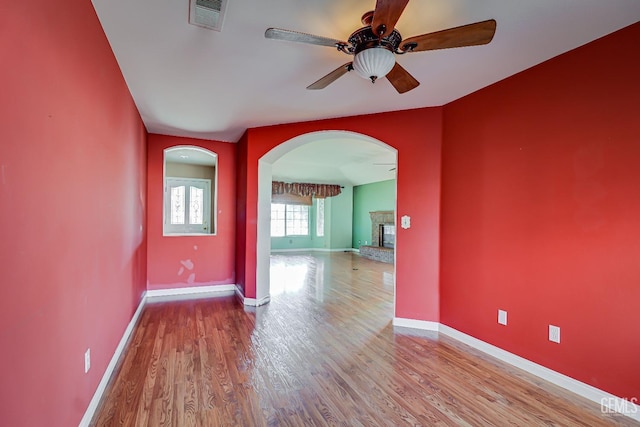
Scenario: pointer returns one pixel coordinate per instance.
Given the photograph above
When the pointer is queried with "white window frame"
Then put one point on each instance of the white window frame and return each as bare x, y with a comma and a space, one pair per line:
288, 219
282, 226
320, 217
187, 228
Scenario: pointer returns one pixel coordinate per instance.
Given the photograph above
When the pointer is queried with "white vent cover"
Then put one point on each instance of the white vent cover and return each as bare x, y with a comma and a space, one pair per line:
207, 13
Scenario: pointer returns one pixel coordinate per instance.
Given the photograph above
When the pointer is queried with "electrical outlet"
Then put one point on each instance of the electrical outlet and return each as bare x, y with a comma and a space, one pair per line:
87, 360
554, 334
502, 317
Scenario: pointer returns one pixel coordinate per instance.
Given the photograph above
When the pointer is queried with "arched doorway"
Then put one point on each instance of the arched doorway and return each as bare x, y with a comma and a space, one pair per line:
265, 163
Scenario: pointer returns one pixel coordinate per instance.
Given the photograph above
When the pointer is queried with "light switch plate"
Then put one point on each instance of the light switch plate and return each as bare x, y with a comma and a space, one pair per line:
502, 317
405, 222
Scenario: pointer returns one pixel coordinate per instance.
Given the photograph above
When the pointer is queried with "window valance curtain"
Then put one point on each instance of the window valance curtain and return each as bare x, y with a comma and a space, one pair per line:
319, 191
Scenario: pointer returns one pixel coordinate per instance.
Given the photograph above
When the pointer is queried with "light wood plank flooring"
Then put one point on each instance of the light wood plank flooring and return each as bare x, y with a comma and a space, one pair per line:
322, 352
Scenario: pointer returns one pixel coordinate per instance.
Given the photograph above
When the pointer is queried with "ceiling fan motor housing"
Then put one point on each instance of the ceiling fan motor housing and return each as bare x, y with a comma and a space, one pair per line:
364, 38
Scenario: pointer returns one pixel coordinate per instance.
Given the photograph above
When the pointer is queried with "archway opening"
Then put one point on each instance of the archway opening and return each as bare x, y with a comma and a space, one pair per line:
265, 178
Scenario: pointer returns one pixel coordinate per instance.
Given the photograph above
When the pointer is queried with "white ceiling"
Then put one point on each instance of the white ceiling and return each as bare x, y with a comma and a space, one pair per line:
344, 160
190, 81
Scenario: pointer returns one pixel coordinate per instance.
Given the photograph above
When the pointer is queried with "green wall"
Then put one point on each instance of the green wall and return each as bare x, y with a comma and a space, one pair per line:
337, 226
339, 229
379, 196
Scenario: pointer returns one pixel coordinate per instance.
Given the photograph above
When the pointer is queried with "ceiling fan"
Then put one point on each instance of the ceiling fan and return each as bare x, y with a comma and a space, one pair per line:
375, 45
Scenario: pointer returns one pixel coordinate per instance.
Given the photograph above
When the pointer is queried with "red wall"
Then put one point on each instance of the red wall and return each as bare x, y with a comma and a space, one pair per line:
241, 218
417, 136
541, 213
212, 256
72, 210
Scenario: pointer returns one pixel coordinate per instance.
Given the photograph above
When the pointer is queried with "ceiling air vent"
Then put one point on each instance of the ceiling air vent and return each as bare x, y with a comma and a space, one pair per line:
207, 13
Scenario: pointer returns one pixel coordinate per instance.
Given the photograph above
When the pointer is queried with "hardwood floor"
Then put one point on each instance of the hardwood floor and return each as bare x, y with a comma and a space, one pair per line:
322, 352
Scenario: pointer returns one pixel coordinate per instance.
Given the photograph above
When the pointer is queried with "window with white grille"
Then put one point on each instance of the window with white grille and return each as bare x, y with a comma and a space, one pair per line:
187, 206
289, 220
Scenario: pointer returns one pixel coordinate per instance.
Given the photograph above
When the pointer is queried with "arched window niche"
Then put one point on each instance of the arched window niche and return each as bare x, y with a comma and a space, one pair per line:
190, 189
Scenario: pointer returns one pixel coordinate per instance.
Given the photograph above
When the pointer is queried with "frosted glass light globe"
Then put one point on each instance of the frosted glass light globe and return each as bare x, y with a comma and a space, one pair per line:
374, 63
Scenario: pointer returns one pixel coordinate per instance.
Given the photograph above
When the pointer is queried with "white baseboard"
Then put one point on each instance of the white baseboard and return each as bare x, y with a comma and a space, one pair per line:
195, 291
415, 324
239, 294
252, 302
608, 402
97, 396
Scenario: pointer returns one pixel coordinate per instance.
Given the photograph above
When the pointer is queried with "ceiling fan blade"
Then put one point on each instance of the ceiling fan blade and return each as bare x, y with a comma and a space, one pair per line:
401, 79
331, 77
295, 36
466, 35
386, 15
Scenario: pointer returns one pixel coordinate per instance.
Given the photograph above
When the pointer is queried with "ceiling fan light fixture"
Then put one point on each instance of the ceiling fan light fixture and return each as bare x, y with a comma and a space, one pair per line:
374, 62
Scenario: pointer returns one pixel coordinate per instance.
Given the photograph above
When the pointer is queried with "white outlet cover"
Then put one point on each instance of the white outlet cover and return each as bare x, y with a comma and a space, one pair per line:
87, 360
502, 317
554, 334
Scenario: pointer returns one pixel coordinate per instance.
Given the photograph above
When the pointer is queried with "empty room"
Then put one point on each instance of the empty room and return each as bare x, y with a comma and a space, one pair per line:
354, 213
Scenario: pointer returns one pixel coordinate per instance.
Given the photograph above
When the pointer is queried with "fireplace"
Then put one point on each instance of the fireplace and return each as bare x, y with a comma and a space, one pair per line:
379, 218
383, 237
387, 236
